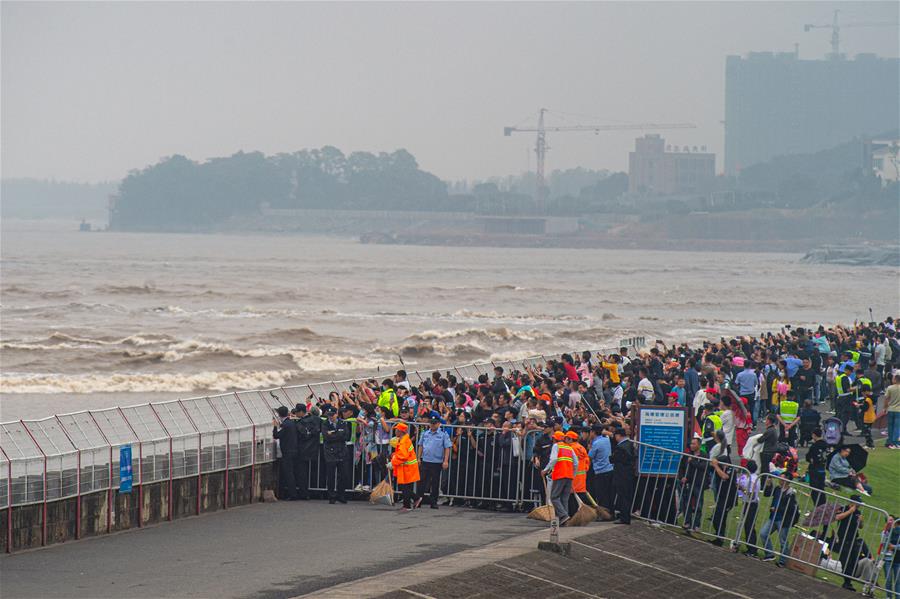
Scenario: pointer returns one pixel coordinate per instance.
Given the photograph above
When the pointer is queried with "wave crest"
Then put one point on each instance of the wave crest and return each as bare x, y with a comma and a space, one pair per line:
142, 383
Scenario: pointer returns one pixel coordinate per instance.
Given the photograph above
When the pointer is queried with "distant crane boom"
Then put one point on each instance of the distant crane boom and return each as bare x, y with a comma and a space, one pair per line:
541, 147
835, 27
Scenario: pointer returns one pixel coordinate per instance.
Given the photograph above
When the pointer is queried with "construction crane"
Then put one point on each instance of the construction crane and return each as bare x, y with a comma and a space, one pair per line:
835, 27
541, 147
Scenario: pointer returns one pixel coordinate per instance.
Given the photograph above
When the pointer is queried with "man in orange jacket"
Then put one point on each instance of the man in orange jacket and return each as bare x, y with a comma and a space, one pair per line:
579, 482
561, 467
405, 465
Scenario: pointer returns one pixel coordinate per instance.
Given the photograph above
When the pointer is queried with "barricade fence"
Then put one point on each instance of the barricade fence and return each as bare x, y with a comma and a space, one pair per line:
70, 455
814, 530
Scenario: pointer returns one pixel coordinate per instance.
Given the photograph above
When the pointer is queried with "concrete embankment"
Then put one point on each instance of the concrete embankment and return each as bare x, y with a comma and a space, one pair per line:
107, 511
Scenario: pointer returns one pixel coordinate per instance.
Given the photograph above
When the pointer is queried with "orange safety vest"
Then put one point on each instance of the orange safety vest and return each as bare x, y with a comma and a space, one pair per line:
565, 462
579, 484
405, 462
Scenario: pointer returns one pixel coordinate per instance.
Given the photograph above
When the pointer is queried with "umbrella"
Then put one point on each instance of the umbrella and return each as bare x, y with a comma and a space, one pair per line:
822, 515
858, 457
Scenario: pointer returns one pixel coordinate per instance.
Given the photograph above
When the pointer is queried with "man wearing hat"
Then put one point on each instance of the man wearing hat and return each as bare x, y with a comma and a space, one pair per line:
579, 482
404, 464
334, 439
435, 444
561, 467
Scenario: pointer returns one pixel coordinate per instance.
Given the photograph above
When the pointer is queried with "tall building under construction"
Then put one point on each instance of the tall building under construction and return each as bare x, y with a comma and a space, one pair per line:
777, 104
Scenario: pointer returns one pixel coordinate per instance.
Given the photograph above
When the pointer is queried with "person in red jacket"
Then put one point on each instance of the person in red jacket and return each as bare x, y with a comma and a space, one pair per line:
405, 465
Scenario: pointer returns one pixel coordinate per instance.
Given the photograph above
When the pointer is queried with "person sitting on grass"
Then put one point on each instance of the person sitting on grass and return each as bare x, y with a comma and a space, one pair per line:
842, 474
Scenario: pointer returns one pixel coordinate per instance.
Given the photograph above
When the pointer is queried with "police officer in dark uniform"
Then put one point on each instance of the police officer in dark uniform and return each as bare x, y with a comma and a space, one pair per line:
622, 459
542, 447
309, 428
334, 439
348, 416
285, 430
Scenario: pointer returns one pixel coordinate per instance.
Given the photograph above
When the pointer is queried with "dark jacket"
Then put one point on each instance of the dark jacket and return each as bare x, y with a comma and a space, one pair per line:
308, 429
287, 437
695, 470
334, 440
622, 459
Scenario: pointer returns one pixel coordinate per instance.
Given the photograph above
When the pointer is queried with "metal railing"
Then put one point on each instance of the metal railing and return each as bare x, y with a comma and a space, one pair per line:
69, 455
815, 530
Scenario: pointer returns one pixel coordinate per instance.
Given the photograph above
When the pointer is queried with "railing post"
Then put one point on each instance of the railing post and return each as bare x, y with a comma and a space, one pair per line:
140, 469
44, 517
199, 453
77, 480
252, 445
171, 474
9, 519
227, 450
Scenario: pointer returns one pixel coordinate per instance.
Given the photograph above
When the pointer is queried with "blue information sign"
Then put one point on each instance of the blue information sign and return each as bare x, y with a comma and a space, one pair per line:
662, 427
125, 477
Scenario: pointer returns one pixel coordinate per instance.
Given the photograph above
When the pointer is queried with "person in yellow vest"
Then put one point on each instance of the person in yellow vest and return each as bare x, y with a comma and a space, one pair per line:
561, 467
844, 402
711, 422
388, 398
788, 411
405, 465
579, 482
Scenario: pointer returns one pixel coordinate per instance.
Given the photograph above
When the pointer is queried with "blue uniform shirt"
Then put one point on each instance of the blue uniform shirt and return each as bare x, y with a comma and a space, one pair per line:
433, 445
599, 454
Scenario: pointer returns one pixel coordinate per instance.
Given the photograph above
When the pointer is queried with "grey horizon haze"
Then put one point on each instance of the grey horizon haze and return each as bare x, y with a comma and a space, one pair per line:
93, 90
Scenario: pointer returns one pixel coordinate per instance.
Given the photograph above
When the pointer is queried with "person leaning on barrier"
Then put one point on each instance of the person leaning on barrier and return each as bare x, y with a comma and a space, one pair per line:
285, 430
334, 439
817, 456
846, 541
725, 494
309, 427
601, 475
622, 459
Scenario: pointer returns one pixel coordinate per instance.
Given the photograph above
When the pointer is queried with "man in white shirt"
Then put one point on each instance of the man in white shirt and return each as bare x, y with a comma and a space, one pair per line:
645, 388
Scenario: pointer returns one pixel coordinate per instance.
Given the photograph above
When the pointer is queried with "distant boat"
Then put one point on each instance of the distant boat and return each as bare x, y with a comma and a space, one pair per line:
84, 226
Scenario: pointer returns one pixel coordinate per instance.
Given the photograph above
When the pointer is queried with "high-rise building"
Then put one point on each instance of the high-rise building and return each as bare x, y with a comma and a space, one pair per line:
654, 168
777, 104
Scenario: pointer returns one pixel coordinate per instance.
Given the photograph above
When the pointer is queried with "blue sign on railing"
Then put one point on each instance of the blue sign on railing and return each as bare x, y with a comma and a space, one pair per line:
125, 475
662, 427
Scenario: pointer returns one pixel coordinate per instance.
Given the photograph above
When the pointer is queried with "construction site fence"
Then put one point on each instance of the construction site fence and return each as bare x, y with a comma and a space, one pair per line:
764, 514
69, 455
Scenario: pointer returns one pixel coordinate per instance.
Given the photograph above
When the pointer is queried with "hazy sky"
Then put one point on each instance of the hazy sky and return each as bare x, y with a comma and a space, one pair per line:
90, 91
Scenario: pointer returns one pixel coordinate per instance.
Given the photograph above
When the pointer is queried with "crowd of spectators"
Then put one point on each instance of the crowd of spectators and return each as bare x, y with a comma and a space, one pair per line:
497, 429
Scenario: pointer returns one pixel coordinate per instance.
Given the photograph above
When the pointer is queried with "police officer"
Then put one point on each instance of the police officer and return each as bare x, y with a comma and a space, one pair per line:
542, 447
348, 414
843, 387
309, 428
285, 430
712, 422
334, 445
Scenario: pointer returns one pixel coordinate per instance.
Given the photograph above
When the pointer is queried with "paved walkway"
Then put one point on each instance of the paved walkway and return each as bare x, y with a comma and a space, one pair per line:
266, 551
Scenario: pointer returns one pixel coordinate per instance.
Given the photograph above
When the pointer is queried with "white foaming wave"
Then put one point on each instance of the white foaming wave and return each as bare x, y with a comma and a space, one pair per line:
143, 383
57, 341
494, 334
493, 315
304, 358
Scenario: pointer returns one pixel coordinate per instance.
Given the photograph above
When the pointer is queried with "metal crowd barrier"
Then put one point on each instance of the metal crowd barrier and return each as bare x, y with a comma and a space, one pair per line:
765, 509
69, 455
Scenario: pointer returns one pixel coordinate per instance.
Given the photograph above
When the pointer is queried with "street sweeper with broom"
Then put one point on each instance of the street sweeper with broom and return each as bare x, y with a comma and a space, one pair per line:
561, 467
405, 464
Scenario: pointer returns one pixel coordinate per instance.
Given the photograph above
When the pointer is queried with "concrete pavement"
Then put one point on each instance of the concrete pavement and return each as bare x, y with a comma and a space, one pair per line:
265, 551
